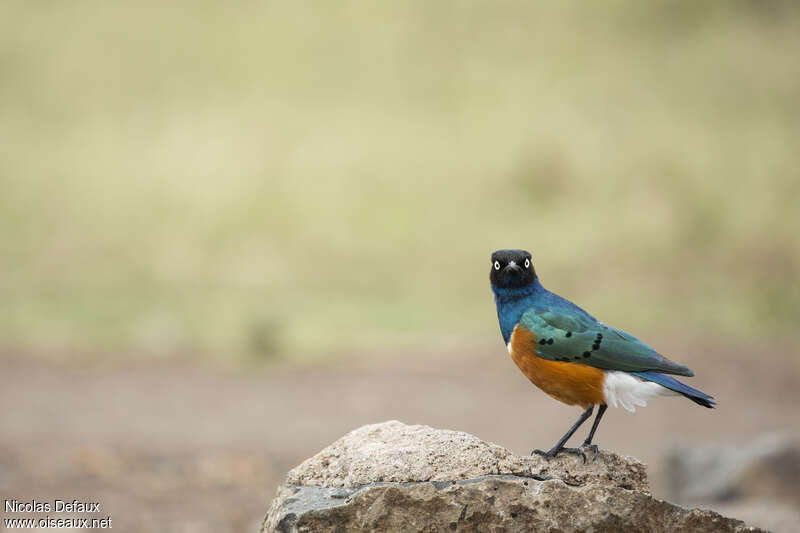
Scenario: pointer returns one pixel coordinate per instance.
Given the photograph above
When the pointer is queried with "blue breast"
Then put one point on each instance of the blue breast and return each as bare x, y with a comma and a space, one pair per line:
512, 303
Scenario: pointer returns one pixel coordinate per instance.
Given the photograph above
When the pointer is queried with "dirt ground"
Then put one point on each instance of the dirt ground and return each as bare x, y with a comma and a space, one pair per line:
179, 447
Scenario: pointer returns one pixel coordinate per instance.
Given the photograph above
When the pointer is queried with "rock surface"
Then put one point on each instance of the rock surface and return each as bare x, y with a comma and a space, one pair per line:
398, 453
394, 477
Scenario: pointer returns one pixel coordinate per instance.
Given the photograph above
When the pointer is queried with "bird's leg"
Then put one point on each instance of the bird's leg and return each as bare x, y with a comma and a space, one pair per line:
559, 447
588, 441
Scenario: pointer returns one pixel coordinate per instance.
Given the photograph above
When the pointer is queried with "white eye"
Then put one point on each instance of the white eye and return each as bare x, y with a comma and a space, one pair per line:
527, 262
497, 265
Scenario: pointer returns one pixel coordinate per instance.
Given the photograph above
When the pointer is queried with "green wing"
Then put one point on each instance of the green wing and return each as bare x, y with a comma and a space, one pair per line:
581, 339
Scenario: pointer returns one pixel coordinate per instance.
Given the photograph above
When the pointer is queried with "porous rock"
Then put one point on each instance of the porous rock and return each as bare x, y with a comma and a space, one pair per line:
399, 453
395, 477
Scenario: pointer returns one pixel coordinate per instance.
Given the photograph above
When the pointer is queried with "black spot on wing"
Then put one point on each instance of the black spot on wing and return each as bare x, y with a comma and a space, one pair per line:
597, 341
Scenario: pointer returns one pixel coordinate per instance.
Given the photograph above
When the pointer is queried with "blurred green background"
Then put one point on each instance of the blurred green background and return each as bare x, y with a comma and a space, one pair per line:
251, 180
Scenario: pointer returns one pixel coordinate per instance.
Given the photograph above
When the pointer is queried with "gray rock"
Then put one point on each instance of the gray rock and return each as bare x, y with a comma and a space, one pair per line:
767, 468
758, 481
395, 452
394, 477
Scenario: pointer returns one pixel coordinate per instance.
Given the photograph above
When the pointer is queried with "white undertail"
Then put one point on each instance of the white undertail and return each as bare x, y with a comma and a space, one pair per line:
629, 391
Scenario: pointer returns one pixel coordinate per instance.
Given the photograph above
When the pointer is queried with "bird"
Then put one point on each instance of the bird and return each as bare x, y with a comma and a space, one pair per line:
572, 356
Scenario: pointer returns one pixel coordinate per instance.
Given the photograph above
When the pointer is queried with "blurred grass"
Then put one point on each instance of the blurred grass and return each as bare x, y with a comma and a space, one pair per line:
303, 178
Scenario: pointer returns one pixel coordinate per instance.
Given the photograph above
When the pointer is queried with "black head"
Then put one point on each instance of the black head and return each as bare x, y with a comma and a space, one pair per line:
512, 269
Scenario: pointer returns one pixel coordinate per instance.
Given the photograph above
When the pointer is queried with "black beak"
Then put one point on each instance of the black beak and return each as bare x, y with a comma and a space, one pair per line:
512, 268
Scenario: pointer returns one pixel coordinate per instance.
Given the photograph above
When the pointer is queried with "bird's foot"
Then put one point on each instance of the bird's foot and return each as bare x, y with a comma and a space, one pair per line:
556, 451
592, 448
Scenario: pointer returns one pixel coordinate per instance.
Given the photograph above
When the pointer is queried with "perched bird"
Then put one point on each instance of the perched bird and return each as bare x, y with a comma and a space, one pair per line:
572, 356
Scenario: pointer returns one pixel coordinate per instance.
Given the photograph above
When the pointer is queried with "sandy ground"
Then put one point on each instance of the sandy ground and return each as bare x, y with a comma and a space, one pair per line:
173, 447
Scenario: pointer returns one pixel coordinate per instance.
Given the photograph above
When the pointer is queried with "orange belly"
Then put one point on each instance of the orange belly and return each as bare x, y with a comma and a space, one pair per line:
571, 383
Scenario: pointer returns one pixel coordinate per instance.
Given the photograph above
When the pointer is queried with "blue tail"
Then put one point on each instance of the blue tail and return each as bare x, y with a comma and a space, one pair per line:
671, 383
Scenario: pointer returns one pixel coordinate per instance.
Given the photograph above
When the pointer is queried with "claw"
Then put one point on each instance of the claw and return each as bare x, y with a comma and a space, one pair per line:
593, 448
556, 451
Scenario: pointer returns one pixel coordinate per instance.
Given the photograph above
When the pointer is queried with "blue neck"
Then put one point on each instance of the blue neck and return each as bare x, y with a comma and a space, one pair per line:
513, 302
